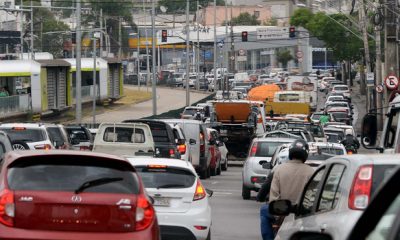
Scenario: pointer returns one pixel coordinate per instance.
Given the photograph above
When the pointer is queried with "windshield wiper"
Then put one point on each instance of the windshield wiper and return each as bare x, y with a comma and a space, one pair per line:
96, 182
171, 186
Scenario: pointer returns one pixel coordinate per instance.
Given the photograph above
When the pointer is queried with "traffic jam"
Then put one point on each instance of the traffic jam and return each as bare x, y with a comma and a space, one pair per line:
292, 136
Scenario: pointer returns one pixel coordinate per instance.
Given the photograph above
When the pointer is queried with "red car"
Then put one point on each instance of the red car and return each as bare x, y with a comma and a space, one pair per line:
73, 195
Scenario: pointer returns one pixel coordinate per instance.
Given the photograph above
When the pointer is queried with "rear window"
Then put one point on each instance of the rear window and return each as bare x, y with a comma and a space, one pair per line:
341, 88
159, 132
27, 135
267, 149
316, 116
331, 150
381, 173
55, 134
339, 115
78, 133
124, 135
64, 175
166, 177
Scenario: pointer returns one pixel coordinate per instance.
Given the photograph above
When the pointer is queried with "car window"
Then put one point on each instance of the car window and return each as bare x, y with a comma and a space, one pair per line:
392, 129
382, 229
266, 149
62, 174
55, 135
330, 194
310, 193
124, 135
27, 135
2, 152
165, 177
78, 133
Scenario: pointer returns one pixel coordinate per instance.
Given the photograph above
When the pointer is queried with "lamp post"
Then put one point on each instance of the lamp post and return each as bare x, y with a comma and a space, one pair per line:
187, 55
95, 36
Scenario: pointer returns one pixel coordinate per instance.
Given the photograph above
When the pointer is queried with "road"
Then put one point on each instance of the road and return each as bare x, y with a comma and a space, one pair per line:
167, 99
233, 217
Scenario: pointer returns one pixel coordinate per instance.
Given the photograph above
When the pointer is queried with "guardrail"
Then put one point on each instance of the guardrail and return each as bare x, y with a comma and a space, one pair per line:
14, 104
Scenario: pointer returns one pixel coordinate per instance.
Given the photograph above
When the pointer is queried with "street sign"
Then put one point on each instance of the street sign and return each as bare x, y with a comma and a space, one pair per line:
242, 58
272, 32
379, 88
299, 54
370, 79
232, 58
242, 52
391, 82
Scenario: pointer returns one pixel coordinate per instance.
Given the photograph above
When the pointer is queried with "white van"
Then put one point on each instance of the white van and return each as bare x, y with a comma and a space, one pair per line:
293, 96
306, 84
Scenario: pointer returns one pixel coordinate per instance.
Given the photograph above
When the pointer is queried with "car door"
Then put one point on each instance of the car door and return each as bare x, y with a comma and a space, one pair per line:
306, 207
325, 216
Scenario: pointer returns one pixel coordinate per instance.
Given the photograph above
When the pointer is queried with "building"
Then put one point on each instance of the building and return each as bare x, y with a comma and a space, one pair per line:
206, 15
8, 22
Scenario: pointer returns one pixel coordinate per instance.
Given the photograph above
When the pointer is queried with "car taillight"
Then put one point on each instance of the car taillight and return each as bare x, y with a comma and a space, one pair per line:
200, 192
144, 213
182, 148
7, 208
253, 150
361, 189
43, 147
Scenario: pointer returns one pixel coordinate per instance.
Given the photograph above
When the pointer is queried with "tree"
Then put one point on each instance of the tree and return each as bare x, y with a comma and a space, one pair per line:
245, 19
174, 6
271, 22
283, 56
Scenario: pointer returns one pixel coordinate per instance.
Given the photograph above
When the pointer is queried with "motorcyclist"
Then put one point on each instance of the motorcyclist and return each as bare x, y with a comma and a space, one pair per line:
288, 181
324, 119
350, 142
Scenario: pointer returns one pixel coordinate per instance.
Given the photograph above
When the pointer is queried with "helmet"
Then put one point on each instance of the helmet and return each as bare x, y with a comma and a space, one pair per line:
299, 150
348, 132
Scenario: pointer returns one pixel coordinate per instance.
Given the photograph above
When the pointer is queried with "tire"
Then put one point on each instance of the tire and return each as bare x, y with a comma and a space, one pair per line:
246, 193
224, 167
219, 168
214, 171
209, 235
19, 145
208, 172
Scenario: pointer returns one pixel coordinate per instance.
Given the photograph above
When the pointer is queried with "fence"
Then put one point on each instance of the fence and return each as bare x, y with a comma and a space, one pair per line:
14, 104
86, 93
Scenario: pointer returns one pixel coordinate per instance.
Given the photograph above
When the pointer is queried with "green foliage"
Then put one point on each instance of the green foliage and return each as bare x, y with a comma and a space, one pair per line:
271, 22
245, 19
284, 56
179, 6
344, 44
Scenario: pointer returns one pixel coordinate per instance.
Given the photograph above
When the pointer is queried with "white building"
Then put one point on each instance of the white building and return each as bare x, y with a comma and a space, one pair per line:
8, 21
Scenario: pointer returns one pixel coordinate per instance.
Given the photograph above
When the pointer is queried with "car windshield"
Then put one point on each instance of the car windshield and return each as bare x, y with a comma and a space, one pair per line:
267, 149
331, 150
334, 138
337, 88
27, 135
339, 115
64, 175
190, 111
165, 177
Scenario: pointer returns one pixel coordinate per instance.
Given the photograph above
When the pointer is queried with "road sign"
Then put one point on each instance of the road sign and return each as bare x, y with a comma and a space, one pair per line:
391, 82
272, 32
242, 58
370, 79
379, 88
242, 52
232, 58
299, 54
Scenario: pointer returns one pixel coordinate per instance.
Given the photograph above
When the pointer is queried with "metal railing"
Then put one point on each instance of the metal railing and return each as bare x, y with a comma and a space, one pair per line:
87, 93
14, 104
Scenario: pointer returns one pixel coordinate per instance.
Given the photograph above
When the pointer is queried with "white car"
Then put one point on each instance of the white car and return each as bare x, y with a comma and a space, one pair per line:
180, 200
335, 99
344, 89
181, 142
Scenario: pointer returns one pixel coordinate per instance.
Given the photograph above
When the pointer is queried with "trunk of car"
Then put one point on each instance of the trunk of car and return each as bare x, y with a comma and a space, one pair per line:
176, 200
257, 165
66, 211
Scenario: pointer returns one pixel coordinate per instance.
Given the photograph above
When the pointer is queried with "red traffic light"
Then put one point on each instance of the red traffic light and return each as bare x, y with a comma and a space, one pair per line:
164, 35
244, 36
292, 32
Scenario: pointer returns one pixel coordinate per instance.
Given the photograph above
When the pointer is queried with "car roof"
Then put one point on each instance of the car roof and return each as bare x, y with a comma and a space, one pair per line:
327, 144
342, 85
139, 161
375, 159
26, 125
15, 155
181, 121
271, 139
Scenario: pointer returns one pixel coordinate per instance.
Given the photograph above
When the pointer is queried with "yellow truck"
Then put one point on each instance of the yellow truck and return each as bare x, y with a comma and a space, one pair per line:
283, 108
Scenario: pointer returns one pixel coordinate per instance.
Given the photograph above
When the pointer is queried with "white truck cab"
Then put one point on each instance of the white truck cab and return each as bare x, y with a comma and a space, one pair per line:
389, 141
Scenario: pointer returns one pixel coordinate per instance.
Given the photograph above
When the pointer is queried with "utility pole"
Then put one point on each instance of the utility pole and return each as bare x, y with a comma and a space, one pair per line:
94, 78
78, 77
187, 55
153, 60
216, 84
363, 21
378, 72
198, 48
147, 50
120, 39
137, 57
101, 32
226, 52
32, 57
21, 19
232, 60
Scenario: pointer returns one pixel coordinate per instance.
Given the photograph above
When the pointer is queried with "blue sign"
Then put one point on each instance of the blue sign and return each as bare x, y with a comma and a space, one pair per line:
207, 54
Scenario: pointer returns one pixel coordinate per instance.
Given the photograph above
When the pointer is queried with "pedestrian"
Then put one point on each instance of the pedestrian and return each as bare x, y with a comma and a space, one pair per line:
324, 119
288, 182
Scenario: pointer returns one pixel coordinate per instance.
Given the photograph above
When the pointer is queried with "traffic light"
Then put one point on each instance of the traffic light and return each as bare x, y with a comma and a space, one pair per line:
164, 35
244, 36
73, 38
292, 32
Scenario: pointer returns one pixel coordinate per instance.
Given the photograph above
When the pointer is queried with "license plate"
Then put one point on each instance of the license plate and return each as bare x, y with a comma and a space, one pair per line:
161, 202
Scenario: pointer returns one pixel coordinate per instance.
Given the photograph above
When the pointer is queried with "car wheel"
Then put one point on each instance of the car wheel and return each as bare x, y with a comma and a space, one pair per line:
209, 172
19, 145
214, 171
246, 193
224, 167
219, 168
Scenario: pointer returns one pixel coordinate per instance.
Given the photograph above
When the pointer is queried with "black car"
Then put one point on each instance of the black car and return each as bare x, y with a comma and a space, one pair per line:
203, 84
163, 136
80, 137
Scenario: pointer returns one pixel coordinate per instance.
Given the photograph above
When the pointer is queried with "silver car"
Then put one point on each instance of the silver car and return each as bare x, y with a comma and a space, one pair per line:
253, 173
336, 195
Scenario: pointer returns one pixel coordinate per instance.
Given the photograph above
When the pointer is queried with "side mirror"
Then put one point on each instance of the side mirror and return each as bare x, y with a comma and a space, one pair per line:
266, 165
209, 192
280, 207
192, 142
369, 131
75, 141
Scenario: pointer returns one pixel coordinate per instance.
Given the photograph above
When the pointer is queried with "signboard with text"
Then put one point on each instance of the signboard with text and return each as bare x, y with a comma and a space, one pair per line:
272, 32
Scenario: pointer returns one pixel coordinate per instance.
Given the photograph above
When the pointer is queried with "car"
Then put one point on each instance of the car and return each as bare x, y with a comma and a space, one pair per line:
334, 137
343, 126
314, 128
213, 149
190, 112
282, 134
241, 90
80, 137
335, 99
344, 89
297, 131
61, 194
341, 115
203, 84
261, 151
28, 136
163, 136
58, 136
329, 105
335, 196
180, 199
182, 143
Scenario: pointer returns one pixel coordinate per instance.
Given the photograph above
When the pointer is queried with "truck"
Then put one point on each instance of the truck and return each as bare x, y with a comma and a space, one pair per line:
239, 121
124, 139
389, 141
283, 108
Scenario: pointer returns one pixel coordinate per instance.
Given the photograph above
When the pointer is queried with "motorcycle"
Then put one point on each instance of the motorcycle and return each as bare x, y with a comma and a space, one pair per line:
350, 149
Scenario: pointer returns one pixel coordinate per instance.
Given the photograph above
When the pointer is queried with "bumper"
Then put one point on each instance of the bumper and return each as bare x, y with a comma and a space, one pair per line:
151, 233
247, 175
181, 225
